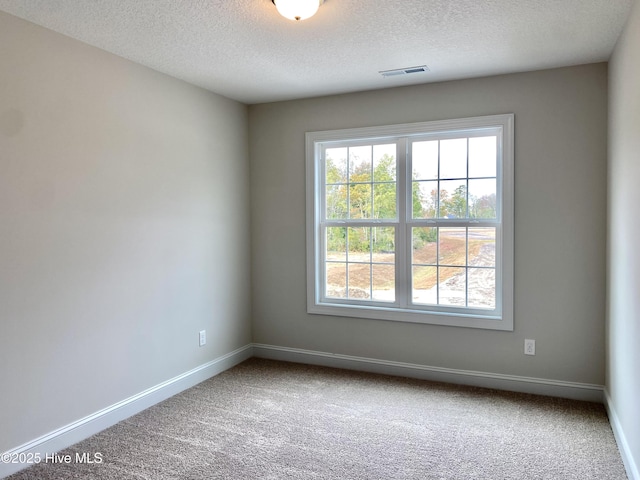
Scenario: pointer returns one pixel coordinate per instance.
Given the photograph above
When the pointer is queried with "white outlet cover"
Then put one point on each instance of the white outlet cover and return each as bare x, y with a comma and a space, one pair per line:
203, 337
529, 347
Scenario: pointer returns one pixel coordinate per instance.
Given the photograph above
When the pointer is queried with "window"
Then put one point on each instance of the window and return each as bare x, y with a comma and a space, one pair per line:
413, 222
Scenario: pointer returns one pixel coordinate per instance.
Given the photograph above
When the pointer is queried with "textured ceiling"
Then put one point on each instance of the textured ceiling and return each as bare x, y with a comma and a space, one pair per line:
245, 50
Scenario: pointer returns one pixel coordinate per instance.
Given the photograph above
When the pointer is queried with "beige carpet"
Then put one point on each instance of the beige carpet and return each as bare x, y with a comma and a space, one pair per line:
273, 420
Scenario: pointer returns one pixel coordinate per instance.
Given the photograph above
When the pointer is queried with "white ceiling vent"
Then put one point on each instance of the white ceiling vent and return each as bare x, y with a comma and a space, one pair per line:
404, 71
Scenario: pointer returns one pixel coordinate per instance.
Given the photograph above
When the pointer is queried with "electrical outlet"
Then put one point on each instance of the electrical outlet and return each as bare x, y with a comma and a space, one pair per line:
203, 337
529, 347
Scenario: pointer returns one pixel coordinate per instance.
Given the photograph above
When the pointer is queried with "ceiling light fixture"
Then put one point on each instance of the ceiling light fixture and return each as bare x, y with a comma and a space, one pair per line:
297, 9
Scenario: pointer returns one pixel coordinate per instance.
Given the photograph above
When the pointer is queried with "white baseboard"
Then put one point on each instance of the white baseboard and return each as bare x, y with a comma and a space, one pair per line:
625, 451
98, 421
540, 386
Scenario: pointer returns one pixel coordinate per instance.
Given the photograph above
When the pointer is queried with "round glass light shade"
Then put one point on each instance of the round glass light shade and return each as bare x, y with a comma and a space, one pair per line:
297, 9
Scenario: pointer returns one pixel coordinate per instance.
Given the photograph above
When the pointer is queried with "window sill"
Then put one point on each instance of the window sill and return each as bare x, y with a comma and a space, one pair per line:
452, 319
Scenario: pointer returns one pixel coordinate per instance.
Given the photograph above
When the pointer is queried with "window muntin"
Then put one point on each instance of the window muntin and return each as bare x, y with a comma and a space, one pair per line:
454, 266
413, 222
360, 263
360, 182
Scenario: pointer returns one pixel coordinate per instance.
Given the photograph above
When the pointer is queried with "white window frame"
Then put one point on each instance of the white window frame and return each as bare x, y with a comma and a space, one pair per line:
499, 319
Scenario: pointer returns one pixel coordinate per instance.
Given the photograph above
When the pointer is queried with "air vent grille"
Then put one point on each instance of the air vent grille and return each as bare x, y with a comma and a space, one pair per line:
404, 71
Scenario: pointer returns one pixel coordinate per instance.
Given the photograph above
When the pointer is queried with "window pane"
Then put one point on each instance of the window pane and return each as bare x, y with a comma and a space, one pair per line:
424, 283
384, 283
482, 156
453, 158
424, 160
336, 202
358, 244
453, 199
452, 286
336, 165
384, 200
384, 163
383, 241
482, 247
482, 287
424, 197
359, 280
452, 244
482, 198
360, 164
336, 281
336, 244
360, 200
425, 247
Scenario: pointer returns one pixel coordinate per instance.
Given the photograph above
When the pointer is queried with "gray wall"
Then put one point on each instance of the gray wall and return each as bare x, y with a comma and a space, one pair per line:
623, 286
123, 217
560, 209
